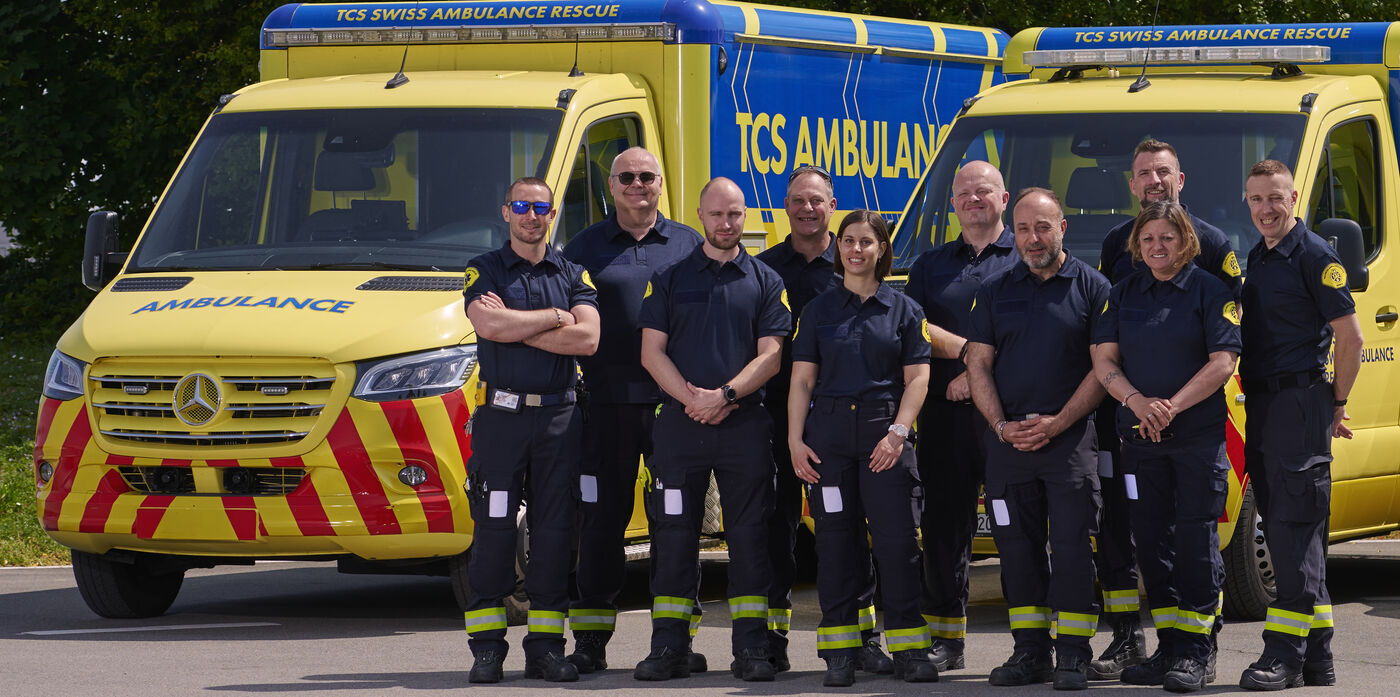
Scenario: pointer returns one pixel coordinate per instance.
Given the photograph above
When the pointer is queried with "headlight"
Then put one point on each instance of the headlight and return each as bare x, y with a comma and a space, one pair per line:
64, 377
424, 374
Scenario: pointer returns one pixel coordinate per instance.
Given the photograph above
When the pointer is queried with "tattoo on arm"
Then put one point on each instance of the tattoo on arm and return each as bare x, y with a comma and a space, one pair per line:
1112, 375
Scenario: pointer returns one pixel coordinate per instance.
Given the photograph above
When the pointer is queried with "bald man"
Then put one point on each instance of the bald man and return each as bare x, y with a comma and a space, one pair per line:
712, 332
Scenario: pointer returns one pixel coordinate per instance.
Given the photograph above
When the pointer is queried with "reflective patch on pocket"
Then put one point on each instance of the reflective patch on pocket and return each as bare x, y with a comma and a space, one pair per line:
831, 499
588, 488
675, 503
999, 513
499, 503
1130, 484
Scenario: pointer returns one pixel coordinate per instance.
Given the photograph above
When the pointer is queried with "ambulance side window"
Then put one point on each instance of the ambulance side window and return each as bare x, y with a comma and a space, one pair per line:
586, 200
1348, 182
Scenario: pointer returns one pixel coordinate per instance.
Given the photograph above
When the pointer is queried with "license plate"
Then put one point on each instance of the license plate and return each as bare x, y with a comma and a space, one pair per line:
984, 524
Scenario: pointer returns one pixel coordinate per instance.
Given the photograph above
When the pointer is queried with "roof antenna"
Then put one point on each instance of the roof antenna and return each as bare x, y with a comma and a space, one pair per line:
1141, 83
399, 78
574, 71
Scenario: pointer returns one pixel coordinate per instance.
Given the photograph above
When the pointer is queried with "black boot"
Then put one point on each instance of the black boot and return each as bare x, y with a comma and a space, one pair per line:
488, 668
1185, 675
871, 659
1319, 673
840, 671
1271, 674
1128, 647
1149, 672
753, 665
946, 656
914, 666
590, 651
662, 664
1071, 673
552, 667
1022, 669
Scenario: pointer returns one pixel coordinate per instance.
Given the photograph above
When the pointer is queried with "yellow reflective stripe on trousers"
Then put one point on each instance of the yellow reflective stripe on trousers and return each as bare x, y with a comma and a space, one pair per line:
779, 619
1077, 624
748, 607
946, 627
486, 620
1194, 622
1322, 616
866, 618
671, 607
906, 639
695, 622
845, 637
1120, 601
589, 619
545, 622
1285, 622
1164, 617
1029, 617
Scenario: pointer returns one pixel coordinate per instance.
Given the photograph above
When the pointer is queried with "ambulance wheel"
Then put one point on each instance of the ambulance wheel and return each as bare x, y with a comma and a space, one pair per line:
457, 573
1249, 571
713, 523
122, 589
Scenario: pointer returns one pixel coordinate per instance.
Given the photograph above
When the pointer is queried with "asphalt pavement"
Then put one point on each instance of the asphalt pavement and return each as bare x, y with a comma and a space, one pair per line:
303, 629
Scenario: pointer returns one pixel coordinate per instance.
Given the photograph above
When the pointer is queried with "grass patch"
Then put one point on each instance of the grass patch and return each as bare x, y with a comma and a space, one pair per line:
22, 541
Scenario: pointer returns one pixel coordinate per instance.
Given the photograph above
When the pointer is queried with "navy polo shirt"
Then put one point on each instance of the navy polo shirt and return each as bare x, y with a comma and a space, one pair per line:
1217, 256
554, 282
944, 280
861, 348
1166, 331
803, 280
620, 266
714, 314
1292, 294
1041, 332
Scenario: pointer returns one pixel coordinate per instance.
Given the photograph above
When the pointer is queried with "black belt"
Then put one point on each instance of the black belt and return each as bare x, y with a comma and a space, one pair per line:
527, 399
1287, 381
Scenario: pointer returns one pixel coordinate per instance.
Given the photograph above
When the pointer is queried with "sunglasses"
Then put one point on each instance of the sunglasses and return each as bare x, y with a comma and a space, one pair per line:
626, 178
804, 169
522, 207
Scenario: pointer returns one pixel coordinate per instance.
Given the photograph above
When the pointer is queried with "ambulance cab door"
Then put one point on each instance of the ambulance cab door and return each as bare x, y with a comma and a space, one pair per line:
1350, 182
605, 131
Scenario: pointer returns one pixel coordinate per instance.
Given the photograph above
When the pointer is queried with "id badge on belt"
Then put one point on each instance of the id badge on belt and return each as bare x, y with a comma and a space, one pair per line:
505, 401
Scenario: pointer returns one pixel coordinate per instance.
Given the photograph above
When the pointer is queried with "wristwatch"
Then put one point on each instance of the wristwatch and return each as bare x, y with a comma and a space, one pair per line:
899, 430
730, 396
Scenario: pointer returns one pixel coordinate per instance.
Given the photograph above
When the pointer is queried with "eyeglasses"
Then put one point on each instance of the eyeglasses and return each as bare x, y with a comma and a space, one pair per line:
814, 169
646, 178
522, 207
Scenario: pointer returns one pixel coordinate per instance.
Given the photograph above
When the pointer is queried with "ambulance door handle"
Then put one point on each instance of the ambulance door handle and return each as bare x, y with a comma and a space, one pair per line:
1387, 317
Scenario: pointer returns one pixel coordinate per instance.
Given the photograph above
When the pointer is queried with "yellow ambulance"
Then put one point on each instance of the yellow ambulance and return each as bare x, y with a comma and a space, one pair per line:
1321, 98
281, 366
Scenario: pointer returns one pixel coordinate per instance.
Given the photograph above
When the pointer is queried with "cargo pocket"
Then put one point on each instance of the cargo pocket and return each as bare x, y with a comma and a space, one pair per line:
1306, 495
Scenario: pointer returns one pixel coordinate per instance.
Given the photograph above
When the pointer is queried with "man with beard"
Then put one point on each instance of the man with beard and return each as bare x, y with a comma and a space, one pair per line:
620, 254
533, 312
712, 332
1031, 377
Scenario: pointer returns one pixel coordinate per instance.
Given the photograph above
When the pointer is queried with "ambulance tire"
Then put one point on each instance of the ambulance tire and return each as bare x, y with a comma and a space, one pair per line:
120, 590
517, 603
1249, 571
713, 523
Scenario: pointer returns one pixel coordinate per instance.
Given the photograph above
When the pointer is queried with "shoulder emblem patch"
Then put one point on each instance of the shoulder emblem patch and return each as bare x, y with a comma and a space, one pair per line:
1334, 276
796, 327
1104, 311
783, 299
647, 294
1231, 265
1231, 312
472, 275
928, 336
587, 280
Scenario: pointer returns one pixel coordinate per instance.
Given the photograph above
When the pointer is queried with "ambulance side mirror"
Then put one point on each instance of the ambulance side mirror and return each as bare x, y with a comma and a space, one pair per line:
100, 257
1345, 237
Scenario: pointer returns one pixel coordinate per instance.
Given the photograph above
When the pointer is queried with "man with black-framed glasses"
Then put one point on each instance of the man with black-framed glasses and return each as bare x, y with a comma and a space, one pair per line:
620, 254
533, 312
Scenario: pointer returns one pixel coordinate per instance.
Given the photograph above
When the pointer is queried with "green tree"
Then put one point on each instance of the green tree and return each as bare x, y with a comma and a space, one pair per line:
98, 101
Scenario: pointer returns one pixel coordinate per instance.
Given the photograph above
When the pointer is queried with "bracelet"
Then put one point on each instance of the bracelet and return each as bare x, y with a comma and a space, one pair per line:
558, 319
1338, 403
1127, 397
1000, 425
962, 352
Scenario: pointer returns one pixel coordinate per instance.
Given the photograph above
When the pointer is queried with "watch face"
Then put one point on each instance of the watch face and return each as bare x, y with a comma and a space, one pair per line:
730, 395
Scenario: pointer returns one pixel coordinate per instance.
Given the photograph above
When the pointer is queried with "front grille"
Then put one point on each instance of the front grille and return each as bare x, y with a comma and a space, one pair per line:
251, 481
159, 283
238, 402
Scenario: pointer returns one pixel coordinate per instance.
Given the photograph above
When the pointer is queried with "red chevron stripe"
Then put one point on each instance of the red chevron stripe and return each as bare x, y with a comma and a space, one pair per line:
359, 473
413, 443
65, 471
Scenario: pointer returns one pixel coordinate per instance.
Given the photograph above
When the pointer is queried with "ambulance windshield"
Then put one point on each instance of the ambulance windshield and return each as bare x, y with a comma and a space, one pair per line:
364, 188
1086, 160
